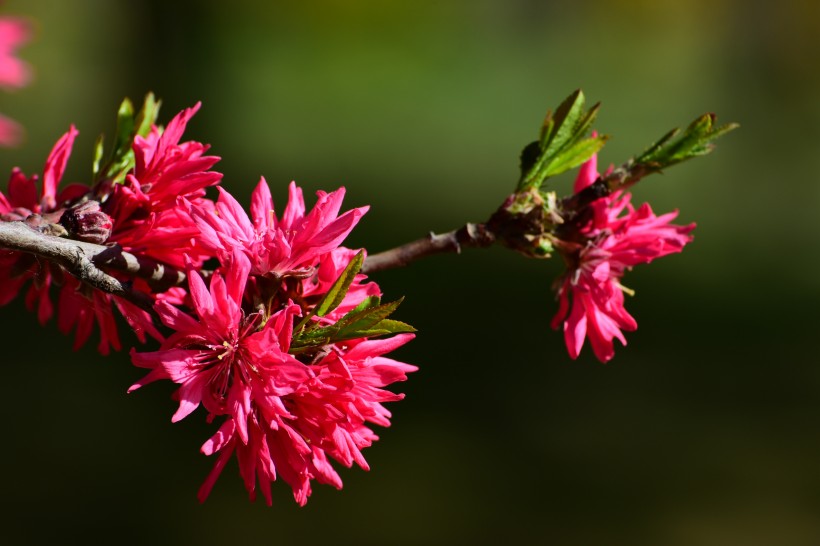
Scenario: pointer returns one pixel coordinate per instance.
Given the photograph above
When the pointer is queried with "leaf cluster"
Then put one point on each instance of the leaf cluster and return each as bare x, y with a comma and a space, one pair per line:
563, 143
129, 125
696, 140
674, 147
368, 319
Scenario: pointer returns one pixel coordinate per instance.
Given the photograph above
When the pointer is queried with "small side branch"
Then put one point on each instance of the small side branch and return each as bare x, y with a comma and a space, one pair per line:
469, 235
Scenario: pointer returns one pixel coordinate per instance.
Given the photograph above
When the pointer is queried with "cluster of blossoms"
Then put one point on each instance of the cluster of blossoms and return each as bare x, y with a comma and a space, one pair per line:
282, 342
266, 320
14, 73
612, 237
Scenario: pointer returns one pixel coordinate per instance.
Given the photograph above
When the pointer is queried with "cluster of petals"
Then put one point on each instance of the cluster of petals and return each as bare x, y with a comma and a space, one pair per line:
282, 417
327, 417
79, 307
14, 73
277, 247
23, 202
617, 237
150, 217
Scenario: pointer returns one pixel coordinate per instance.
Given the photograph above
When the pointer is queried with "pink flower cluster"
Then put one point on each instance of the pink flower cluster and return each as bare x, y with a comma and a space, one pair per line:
227, 337
141, 215
14, 73
617, 237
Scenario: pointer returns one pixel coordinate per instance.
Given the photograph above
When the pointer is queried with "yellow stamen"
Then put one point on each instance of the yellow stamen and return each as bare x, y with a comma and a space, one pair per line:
625, 289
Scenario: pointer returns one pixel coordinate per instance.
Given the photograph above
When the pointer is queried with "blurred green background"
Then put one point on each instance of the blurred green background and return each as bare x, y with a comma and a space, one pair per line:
705, 430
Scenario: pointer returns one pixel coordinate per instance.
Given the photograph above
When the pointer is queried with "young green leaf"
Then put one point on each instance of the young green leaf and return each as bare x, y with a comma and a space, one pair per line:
362, 320
562, 144
125, 130
98, 155
395, 326
147, 115
672, 148
576, 155
338, 291
697, 139
129, 125
368, 319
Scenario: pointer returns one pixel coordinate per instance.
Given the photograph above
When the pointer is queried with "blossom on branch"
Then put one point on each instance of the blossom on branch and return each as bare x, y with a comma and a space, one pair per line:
23, 202
280, 337
326, 417
149, 218
615, 237
277, 247
282, 416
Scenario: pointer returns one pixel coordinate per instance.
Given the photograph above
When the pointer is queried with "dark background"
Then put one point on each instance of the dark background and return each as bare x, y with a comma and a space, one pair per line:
703, 431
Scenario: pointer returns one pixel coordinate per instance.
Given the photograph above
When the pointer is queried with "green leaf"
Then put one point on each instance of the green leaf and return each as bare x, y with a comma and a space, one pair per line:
125, 129
696, 140
98, 154
672, 148
368, 319
362, 320
559, 130
129, 125
576, 155
395, 326
338, 291
147, 115
563, 143
369, 301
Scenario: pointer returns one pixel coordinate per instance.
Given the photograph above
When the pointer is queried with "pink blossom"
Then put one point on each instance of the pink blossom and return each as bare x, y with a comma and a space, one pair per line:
277, 247
225, 359
79, 306
14, 33
328, 417
14, 73
11, 132
149, 218
24, 202
282, 416
618, 237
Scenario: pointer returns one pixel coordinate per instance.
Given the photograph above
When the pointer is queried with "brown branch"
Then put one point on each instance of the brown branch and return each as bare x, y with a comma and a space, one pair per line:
470, 235
85, 260
159, 276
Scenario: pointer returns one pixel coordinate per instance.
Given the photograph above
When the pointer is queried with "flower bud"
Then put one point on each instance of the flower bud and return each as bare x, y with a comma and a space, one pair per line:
87, 222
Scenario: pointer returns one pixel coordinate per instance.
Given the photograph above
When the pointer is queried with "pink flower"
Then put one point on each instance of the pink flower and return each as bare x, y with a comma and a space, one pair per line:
277, 247
23, 203
327, 418
149, 218
282, 416
79, 306
618, 237
14, 73
225, 359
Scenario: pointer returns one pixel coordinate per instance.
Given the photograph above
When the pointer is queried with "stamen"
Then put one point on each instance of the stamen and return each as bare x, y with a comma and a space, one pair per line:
625, 289
228, 352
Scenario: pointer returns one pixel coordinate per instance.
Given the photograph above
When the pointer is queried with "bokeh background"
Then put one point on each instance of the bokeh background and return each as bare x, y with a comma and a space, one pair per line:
705, 430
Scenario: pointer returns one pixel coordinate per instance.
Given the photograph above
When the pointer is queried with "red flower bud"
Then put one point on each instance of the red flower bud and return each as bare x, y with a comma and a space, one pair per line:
87, 222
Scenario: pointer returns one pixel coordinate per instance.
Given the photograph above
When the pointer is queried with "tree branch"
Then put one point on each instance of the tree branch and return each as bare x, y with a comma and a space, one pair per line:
469, 235
84, 260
